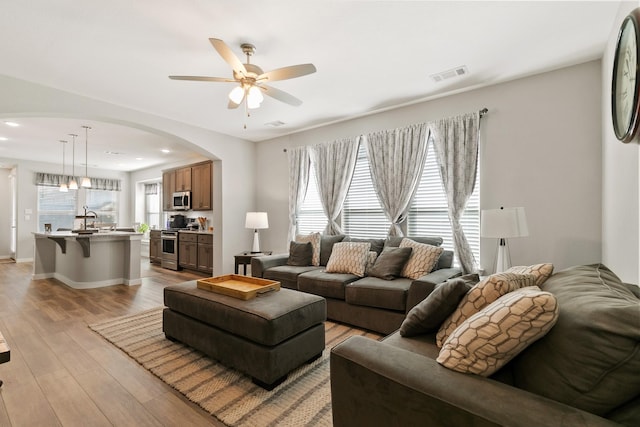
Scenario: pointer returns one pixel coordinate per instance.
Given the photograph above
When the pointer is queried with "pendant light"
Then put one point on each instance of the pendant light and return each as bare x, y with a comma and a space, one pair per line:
86, 182
63, 185
73, 184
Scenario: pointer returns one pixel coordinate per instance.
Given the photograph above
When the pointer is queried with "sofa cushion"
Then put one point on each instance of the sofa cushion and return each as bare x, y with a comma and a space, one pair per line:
328, 285
423, 259
591, 357
375, 292
541, 271
429, 314
349, 257
489, 339
287, 275
300, 254
314, 238
482, 294
376, 244
389, 263
326, 246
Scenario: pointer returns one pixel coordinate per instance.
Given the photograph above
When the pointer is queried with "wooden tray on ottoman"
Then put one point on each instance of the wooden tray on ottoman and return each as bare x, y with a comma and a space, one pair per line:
238, 286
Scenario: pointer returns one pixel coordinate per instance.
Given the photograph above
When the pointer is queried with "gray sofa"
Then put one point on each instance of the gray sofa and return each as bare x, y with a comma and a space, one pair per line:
369, 302
584, 372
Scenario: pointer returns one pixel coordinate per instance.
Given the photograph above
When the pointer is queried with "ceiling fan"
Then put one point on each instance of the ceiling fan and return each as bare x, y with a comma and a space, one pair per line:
251, 78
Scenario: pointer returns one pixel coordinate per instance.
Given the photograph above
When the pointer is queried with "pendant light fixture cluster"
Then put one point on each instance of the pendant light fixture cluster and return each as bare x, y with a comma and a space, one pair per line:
86, 181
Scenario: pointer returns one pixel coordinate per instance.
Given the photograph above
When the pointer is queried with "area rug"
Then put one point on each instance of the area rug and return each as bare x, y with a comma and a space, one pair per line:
303, 399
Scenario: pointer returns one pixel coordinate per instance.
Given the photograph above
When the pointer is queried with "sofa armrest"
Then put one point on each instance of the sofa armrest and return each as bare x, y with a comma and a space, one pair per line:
261, 263
375, 383
422, 287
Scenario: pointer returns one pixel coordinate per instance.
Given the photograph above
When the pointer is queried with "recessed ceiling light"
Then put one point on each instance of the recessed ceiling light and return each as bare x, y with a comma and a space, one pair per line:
164, 150
3, 138
12, 124
139, 158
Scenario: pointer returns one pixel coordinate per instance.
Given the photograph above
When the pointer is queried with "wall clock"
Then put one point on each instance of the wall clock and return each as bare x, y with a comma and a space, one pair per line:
625, 78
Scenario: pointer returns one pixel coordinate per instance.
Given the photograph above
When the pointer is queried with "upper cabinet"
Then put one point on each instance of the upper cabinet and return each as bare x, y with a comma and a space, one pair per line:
201, 187
196, 178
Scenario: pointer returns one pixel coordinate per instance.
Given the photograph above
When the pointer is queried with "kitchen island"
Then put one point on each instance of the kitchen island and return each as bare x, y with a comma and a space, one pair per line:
84, 261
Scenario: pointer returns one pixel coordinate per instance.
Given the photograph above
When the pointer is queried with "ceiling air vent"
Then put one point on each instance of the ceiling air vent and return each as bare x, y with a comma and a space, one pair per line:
454, 72
275, 124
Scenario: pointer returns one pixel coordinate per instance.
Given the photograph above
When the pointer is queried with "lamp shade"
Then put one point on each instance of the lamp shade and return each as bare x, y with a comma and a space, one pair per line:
256, 220
504, 223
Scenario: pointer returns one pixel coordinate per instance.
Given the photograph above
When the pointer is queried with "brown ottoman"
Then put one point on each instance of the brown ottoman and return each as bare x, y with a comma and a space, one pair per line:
265, 337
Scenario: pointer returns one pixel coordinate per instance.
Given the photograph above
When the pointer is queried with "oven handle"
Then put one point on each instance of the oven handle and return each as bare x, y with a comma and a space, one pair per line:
169, 237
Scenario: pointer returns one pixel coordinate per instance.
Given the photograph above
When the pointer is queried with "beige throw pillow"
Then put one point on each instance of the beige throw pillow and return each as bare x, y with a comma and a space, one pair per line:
349, 257
481, 295
422, 260
489, 339
314, 238
541, 271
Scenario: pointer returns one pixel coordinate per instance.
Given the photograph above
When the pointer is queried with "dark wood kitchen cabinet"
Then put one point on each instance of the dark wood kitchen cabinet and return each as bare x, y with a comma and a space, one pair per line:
201, 187
188, 250
155, 247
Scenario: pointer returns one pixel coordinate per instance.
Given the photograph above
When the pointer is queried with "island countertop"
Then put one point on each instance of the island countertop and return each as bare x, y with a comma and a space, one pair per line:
96, 234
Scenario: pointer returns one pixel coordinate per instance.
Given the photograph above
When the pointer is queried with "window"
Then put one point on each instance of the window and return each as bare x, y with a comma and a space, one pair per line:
311, 217
428, 215
362, 215
152, 203
59, 209
56, 208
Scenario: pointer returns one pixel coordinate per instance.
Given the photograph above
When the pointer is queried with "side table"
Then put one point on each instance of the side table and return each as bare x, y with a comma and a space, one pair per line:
244, 258
5, 353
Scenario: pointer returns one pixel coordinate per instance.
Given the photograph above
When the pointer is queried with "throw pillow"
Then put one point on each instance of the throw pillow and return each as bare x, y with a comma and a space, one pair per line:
489, 339
326, 246
590, 359
348, 257
314, 238
422, 260
389, 264
541, 271
434, 309
371, 260
300, 254
481, 295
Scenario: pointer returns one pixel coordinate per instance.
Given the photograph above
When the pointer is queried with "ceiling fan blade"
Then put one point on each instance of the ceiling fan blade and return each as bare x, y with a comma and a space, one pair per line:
281, 95
227, 54
290, 72
202, 79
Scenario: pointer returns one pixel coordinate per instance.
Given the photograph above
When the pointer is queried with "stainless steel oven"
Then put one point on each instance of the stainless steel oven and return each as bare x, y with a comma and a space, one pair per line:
169, 249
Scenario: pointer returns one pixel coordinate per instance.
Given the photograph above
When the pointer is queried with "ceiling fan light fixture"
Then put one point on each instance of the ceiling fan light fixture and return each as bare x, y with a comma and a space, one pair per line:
254, 97
236, 95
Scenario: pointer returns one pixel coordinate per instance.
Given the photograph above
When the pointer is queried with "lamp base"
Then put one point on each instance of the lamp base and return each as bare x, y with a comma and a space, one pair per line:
503, 260
256, 242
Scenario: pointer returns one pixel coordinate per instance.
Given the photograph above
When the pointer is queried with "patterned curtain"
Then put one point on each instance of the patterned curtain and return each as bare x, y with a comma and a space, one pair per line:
396, 160
298, 182
456, 141
334, 163
54, 180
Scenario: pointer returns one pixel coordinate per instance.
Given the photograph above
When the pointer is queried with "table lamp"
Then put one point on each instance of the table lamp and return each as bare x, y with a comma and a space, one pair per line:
502, 224
256, 220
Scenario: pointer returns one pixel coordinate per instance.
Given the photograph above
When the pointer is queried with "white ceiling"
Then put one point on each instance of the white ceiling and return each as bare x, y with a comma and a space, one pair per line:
370, 56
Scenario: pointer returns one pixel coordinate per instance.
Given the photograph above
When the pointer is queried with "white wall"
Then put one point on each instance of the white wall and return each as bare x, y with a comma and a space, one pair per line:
621, 180
540, 148
5, 213
233, 190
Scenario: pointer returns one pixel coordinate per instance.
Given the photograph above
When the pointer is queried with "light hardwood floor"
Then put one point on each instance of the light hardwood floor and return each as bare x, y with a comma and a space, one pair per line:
63, 374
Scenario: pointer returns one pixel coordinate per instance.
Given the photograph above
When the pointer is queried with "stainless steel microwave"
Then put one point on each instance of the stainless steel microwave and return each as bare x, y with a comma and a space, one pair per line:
182, 201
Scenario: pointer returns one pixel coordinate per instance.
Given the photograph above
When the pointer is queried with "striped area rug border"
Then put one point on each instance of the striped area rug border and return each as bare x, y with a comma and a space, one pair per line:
303, 399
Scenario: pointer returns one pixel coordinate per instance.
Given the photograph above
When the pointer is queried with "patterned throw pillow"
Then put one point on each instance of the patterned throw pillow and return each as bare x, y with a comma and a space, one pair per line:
481, 295
422, 260
314, 238
349, 257
541, 271
489, 339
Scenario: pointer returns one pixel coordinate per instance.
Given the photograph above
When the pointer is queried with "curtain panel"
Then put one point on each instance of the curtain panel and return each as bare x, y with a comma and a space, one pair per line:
298, 158
456, 141
151, 189
54, 180
396, 161
334, 163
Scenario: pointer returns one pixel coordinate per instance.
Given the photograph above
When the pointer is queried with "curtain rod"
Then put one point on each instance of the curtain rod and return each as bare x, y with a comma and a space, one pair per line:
482, 112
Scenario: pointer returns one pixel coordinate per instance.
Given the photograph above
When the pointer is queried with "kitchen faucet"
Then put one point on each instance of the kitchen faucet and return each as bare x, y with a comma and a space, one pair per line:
95, 216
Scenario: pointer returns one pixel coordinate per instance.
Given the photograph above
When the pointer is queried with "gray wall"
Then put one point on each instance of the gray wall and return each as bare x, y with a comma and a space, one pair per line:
540, 148
621, 180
